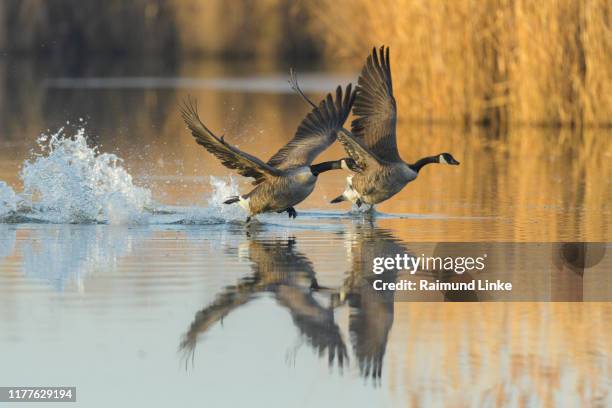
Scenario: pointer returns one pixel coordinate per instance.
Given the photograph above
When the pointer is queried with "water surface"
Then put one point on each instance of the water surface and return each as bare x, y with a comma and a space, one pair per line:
145, 285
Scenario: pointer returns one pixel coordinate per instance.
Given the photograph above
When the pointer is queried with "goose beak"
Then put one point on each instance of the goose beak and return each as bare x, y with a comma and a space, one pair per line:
454, 162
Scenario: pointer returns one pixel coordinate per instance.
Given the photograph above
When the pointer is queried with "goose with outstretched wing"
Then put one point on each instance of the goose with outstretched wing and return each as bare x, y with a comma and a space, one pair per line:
289, 176
372, 142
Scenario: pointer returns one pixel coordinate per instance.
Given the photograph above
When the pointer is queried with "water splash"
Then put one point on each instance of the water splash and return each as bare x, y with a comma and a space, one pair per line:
71, 182
67, 181
222, 189
215, 212
8, 200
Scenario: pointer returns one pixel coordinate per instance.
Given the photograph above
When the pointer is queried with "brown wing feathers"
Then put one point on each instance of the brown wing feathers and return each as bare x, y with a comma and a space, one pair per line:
230, 156
375, 107
317, 131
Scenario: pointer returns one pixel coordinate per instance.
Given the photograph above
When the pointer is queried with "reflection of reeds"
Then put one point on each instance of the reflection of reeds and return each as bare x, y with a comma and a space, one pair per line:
493, 61
502, 354
496, 61
74, 28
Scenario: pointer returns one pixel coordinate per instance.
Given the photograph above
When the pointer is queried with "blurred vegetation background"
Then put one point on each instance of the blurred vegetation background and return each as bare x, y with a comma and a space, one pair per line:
491, 62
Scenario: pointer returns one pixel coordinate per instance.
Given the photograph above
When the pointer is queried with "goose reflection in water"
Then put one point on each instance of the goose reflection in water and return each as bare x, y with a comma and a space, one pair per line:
371, 311
281, 270
278, 268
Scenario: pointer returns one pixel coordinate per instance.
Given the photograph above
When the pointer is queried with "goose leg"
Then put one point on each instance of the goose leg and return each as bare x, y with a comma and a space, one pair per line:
292, 212
248, 220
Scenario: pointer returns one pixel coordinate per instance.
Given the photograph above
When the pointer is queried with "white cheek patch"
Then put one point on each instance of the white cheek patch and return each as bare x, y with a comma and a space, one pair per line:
442, 159
343, 164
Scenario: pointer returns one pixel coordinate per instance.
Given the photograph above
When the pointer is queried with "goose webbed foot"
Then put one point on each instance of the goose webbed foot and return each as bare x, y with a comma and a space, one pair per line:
291, 211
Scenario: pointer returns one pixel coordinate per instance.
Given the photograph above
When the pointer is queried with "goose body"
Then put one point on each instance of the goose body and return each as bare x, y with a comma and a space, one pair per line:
289, 176
375, 185
293, 187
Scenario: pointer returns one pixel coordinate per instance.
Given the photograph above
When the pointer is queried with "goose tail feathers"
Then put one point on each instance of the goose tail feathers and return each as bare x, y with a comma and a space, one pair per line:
232, 200
338, 199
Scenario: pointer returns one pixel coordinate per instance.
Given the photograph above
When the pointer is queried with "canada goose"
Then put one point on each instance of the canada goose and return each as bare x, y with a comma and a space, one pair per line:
381, 173
289, 176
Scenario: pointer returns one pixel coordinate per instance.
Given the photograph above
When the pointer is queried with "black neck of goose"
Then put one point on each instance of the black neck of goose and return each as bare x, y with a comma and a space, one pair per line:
423, 162
317, 169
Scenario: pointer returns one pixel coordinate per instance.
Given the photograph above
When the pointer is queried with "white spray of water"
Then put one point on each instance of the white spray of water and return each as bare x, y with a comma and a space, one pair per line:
222, 190
70, 182
67, 181
8, 200
216, 212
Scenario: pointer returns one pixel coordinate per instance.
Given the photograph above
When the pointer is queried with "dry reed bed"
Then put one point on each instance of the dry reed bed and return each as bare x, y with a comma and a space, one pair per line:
492, 61
501, 354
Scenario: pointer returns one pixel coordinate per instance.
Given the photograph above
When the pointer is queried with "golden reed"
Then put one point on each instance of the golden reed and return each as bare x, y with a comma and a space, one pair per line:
491, 61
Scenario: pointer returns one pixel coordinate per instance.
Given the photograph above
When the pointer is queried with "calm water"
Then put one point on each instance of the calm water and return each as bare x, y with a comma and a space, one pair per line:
172, 301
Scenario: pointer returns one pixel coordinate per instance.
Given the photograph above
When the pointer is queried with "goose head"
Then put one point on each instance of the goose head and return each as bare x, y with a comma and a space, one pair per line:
447, 158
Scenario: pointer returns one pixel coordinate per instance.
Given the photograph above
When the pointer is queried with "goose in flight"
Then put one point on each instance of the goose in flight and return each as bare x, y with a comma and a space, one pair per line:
372, 143
289, 176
